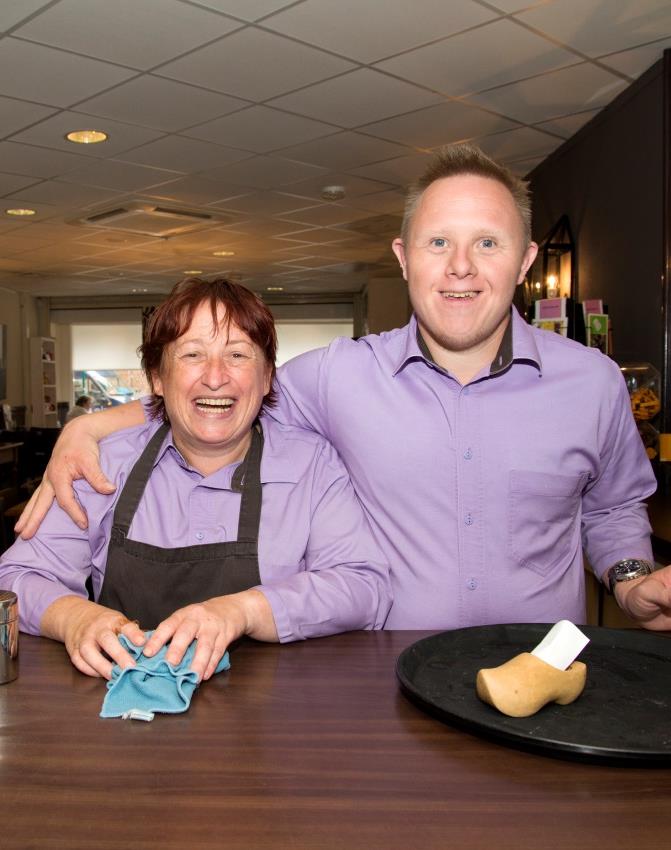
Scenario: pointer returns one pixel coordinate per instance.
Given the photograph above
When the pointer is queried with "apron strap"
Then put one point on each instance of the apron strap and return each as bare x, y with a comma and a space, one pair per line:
247, 479
136, 482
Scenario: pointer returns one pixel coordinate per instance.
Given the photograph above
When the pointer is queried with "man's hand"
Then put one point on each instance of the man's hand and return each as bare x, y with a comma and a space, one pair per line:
647, 600
215, 624
90, 634
75, 455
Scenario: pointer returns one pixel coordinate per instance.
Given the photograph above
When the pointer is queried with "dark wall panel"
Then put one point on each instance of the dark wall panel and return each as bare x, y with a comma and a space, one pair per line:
608, 179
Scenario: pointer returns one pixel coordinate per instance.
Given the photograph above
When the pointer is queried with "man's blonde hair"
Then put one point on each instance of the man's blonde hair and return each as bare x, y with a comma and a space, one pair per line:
462, 158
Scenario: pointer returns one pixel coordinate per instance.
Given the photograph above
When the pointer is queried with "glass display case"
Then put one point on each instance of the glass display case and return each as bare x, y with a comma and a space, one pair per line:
645, 391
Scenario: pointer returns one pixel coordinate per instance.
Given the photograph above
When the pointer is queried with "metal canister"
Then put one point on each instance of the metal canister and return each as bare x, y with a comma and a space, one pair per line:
9, 636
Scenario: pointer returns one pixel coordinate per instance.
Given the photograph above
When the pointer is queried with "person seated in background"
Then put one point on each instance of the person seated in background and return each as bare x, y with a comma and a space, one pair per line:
487, 453
84, 404
224, 523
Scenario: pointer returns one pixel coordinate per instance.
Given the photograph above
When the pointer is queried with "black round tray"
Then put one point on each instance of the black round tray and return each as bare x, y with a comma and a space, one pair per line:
622, 717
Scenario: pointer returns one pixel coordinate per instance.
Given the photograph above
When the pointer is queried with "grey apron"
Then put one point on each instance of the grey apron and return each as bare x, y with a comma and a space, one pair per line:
148, 583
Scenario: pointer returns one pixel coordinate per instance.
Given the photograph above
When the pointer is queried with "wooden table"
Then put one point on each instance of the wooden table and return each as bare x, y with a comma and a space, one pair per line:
301, 746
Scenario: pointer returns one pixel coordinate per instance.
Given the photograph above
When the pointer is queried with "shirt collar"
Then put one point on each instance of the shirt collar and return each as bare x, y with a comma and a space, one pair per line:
276, 462
517, 346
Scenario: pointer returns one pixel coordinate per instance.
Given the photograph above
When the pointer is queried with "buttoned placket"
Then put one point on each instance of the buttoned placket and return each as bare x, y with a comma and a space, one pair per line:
470, 515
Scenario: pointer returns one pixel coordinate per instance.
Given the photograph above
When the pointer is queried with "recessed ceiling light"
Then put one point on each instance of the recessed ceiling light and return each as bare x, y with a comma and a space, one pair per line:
139, 290
274, 288
20, 211
86, 137
192, 271
223, 253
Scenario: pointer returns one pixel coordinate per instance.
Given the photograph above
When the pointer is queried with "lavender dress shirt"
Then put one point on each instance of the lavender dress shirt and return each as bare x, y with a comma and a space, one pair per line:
482, 496
320, 567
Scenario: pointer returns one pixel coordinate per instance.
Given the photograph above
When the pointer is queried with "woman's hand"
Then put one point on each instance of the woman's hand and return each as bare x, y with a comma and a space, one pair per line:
214, 624
90, 633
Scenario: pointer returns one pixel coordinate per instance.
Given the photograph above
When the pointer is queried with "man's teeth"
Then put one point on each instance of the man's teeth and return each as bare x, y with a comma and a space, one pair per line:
215, 403
470, 294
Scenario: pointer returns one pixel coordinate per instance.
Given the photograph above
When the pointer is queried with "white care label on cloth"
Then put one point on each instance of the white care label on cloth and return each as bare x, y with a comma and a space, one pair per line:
561, 645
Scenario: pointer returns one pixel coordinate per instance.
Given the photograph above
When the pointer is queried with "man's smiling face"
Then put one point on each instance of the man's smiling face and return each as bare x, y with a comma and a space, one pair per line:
464, 256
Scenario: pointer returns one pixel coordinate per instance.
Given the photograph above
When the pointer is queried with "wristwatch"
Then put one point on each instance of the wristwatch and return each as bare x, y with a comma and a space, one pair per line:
627, 570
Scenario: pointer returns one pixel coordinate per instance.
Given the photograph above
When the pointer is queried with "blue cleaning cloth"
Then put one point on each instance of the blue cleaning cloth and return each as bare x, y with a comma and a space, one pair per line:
153, 684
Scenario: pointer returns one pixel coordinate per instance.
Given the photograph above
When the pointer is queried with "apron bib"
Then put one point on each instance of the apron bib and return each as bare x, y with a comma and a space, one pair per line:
148, 583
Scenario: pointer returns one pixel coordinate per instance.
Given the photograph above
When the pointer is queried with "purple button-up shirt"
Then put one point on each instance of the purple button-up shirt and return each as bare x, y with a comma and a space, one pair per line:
320, 567
482, 496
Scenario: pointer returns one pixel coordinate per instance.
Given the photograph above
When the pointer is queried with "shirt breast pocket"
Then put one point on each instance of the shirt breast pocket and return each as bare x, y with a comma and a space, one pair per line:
542, 520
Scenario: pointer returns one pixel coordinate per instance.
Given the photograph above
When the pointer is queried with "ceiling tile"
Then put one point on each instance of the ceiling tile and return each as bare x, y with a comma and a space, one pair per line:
122, 176
365, 31
505, 52
551, 95
634, 62
164, 104
51, 133
17, 114
13, 182
344, 150
260, 129
518, 144
438, 125
596, 27
37, 162
313, 236
265, 203
569, 124
138, 33
326, 215
13, 11
357, 98
509, 6
193, 190
185, 155
65, 195
255, 65
248, 10
52, 76
390, 201
399, 171
265, 172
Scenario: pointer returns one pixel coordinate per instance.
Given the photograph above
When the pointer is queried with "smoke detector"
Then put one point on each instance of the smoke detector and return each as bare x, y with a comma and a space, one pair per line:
147, 218
333, 193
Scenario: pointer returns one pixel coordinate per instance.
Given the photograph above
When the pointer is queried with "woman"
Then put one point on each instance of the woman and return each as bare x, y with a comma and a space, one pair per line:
222, 524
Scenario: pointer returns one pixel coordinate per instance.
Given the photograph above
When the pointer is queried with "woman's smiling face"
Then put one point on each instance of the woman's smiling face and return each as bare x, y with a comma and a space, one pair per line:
213, 379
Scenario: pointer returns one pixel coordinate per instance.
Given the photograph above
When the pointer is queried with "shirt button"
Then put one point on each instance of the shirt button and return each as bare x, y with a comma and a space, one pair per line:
199, 535
468, 454
468, 520
471, 584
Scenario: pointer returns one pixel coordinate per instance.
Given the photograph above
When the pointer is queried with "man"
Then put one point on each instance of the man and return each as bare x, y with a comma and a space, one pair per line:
84, 404
485, 452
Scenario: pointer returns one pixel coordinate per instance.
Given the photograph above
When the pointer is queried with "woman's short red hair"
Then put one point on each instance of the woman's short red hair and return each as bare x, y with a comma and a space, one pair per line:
174, 316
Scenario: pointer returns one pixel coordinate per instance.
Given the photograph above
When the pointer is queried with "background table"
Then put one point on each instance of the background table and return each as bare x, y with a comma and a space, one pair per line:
307, 745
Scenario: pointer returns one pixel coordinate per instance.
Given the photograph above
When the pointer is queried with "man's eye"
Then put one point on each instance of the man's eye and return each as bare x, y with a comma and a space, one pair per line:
487, 243
439, 242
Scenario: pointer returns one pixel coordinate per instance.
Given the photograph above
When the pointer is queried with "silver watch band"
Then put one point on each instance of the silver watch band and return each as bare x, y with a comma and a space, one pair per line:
627, 570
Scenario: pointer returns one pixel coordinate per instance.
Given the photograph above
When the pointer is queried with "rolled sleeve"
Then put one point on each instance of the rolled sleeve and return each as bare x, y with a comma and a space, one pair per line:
615, 521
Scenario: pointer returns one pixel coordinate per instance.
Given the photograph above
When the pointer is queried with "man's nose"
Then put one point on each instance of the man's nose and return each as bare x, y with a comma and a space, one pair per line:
460, 262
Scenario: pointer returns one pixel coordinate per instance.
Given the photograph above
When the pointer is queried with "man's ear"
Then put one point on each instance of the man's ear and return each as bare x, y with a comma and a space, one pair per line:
527, 261
398, 248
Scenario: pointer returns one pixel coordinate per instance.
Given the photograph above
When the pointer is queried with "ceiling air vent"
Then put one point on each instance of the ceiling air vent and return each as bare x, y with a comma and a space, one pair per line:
150, 219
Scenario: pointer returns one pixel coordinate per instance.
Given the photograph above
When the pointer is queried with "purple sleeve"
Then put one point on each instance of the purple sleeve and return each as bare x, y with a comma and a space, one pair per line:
615, 521
345, 584
54, 563
301, 392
